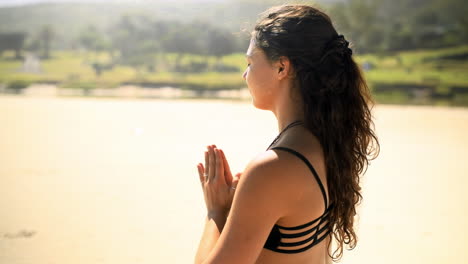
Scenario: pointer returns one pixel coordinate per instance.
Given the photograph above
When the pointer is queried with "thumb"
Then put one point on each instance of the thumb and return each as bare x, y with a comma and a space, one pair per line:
235, 180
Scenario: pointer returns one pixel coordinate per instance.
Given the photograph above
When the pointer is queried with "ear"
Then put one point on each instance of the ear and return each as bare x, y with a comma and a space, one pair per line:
284, 68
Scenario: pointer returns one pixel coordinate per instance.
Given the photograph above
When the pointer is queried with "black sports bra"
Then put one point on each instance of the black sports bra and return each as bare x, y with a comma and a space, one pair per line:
301, 240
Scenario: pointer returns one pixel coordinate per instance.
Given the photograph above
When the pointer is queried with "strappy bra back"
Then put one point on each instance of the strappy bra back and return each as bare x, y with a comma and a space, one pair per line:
300, 238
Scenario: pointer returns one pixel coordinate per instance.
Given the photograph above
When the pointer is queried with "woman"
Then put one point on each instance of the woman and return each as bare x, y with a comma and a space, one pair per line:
283, 209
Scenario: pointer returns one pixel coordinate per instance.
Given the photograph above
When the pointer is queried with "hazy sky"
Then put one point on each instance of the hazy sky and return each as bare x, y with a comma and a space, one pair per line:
23, 2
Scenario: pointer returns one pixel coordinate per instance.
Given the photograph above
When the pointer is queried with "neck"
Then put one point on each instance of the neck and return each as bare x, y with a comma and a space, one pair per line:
287, 111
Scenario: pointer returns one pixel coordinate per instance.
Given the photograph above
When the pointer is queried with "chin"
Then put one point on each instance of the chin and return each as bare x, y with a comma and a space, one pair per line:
259, 105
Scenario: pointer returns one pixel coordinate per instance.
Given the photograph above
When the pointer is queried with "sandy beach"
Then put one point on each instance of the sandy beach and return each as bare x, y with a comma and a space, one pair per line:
86, 180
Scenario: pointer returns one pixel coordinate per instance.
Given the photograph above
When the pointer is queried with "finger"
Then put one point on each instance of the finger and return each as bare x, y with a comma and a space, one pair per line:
219, 167
207, 163
212, 165
200, 172
235, 182
201, 169
227, 170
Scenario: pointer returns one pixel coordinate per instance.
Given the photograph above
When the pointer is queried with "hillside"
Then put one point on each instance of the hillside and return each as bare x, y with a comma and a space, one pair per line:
68, 19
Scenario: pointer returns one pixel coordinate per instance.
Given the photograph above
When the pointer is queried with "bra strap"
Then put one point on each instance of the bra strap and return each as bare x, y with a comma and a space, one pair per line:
299, 155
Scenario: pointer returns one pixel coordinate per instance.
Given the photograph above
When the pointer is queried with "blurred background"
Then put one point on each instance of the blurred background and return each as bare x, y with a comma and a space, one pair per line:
106, 108
413, 51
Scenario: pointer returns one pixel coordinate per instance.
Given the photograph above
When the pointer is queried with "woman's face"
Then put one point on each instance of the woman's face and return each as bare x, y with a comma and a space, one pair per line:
260, 77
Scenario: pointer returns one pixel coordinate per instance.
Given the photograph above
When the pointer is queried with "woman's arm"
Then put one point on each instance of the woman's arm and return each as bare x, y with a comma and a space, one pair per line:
215, 220
258, 203
214, 225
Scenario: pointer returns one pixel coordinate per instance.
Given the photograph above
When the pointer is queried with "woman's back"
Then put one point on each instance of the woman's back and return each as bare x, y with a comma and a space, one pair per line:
306, 199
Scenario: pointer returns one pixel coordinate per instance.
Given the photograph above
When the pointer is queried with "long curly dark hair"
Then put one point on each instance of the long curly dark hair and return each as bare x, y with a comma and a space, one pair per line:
337, 103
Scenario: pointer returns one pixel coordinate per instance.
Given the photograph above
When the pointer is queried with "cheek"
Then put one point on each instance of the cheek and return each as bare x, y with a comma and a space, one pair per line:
261, 88
254, 76
262, 80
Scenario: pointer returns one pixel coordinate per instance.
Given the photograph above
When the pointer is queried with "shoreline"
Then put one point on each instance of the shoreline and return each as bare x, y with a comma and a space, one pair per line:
173, 93
127, 91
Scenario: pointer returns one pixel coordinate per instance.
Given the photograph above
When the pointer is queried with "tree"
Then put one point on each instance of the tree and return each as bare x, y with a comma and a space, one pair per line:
358, 20
220, 43
91, 39
46, 35
12, 41
135, 38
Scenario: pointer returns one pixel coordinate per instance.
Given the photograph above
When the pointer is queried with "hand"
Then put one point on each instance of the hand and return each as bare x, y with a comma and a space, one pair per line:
217, 182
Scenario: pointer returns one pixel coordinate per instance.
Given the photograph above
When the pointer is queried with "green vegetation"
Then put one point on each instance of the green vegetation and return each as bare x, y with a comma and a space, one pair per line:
411, 51
396, 25
424, 76
18, 84
70, 69
436, 76
373, 25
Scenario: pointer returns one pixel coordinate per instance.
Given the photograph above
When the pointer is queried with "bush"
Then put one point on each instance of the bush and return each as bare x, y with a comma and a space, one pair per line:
80, 84
225, 68
18, 84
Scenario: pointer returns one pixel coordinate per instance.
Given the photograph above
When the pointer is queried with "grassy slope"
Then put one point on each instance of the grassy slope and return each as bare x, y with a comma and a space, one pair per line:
419, 67
73, 69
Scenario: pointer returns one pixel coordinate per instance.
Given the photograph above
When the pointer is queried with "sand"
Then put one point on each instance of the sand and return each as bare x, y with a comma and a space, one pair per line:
114, 181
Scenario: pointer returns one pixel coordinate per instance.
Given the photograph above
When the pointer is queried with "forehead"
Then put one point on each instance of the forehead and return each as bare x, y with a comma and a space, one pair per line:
252, 50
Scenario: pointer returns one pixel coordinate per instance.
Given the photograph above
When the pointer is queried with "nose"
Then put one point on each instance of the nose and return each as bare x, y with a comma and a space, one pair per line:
244, 75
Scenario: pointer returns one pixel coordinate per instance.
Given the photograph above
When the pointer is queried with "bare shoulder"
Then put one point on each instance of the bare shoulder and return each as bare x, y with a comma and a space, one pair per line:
272, 161
259, 202
275, 165
288, 181
268, 167
274, 174
262, 173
